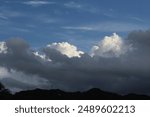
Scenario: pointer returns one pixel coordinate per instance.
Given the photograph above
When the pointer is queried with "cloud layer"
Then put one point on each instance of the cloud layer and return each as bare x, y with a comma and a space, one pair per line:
118, 65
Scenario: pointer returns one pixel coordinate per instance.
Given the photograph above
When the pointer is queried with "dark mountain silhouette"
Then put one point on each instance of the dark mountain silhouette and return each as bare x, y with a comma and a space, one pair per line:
56, 94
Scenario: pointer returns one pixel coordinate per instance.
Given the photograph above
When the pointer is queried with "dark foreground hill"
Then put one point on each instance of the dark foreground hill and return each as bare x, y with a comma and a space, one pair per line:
55, 94
93, 94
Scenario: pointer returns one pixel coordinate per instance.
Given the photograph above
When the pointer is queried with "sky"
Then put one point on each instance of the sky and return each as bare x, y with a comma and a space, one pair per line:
76, 21
75, 45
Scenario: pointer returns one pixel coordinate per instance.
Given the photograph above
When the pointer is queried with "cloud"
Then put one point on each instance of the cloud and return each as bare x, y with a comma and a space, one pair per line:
37, 3
112, 46
81, 7
72, 5
108, 27
6, 13
2, 16
66, 49
3, 72
137, 19
3, 47
16, 80
41, 56
23, 68
78, 28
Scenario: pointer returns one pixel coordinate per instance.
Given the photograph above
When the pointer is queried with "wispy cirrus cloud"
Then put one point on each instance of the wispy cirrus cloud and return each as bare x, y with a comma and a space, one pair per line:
6, 13
137, 19
108, 27
37, 3
81, 7
2, 16
9, 14
86, 28
73, 5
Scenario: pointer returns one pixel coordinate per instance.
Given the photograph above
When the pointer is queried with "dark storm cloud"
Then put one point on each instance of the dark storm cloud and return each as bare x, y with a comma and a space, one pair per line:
129, 72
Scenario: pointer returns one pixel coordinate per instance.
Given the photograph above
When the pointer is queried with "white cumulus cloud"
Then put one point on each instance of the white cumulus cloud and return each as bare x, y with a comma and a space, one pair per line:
110, 46
3, 47
66, 49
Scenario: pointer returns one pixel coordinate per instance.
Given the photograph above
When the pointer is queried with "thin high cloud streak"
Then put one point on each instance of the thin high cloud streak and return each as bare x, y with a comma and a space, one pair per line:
108, 27
38, 3
116, 64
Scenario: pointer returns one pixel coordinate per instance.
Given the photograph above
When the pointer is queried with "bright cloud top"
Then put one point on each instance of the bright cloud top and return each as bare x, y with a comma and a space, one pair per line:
66, 49
3, 47
110, 46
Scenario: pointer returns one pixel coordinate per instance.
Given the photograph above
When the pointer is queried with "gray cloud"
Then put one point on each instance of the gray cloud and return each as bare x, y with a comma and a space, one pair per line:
126, 73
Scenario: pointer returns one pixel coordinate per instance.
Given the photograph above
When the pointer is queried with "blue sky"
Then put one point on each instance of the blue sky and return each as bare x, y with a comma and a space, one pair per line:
80, 22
